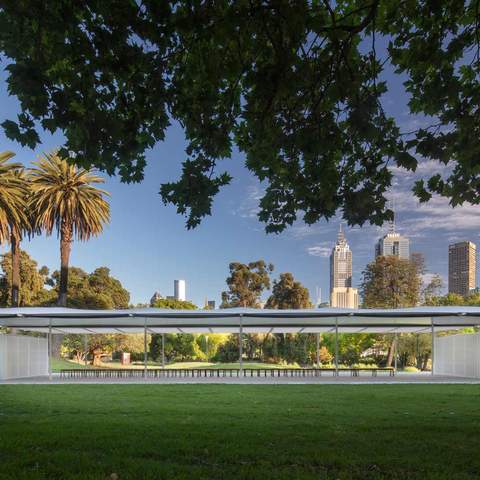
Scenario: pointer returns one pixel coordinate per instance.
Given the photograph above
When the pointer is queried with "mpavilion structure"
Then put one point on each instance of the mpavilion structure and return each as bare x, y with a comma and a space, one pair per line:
29, 356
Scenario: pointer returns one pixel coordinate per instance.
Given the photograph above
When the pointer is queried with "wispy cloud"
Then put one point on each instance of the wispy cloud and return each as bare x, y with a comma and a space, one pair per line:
322, 249
425, 169
438, 215
249, 206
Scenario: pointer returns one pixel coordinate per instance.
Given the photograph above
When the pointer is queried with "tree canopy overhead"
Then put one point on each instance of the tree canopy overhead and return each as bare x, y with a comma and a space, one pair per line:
296, 86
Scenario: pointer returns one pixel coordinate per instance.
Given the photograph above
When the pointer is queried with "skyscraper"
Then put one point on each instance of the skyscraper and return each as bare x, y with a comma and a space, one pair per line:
462, 263
179, 290
341, 263
341, 292
393, 244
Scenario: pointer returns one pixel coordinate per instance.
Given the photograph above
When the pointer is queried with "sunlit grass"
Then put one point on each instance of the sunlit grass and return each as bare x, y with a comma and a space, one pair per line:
263, 432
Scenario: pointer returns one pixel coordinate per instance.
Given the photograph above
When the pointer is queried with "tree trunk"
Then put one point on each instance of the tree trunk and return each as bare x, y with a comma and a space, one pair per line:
15, 242
391, 350
65, 249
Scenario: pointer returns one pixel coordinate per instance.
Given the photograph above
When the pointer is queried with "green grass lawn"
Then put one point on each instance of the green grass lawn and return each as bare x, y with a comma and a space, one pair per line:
60, 363
240, 432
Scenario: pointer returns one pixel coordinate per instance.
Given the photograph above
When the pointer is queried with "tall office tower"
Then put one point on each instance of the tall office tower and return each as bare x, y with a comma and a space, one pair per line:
211, 304
341, 263
155, 297
462, 263
341, 292
179, 290
393, 244
344, 297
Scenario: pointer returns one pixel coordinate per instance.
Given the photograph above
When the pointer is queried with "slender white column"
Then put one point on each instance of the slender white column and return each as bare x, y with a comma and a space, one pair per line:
433, 347
50, 349
240, 345
85, 347
336, 347
163, 350
396, 352
145, 348
318, 350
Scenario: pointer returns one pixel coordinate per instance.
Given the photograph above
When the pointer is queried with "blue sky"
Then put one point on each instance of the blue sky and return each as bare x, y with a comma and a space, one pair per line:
147, 246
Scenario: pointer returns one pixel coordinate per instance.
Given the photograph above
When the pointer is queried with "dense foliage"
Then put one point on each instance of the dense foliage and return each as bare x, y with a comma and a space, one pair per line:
390, 282
96, 290
178, 347
246, 283
298, 87
32, 285
288, 293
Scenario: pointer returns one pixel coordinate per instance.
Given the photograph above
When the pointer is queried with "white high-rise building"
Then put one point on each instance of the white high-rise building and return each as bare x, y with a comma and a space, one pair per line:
393, 244
179, 290
341, 292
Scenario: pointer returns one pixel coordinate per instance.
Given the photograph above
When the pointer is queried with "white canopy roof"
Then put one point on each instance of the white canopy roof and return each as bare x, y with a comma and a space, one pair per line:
66, 320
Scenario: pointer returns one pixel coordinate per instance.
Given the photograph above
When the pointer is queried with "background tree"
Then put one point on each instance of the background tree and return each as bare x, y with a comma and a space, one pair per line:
14, 221
178, 347
64, 198
350, 346
32, 282
288, 293
173, 304
210, 344
246, 283
452, 299
95, 346
432, 290
390, 282
96, 290
298, 87
245, 286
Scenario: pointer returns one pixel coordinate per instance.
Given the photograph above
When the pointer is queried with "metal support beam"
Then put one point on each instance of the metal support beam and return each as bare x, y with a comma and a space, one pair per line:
318, 350
145, 348
163, 350
240, 345
433, 347
50, 349
395, 347
336, 347
85, 348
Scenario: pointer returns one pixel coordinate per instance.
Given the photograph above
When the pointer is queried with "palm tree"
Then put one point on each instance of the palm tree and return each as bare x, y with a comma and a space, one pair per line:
14, 221
64, 199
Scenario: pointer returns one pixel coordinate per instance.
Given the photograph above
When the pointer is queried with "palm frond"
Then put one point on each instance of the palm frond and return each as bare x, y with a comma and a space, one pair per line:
13, 198
63, 194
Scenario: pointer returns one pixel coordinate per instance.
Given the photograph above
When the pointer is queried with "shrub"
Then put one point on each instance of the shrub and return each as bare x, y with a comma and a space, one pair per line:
411, 369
